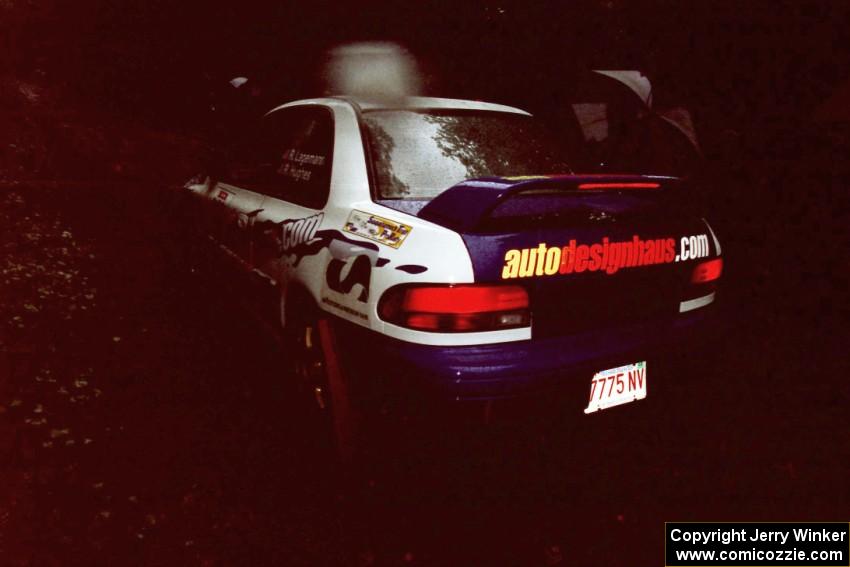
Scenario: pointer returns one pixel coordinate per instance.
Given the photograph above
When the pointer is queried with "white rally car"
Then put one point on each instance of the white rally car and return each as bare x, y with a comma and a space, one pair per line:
448, 246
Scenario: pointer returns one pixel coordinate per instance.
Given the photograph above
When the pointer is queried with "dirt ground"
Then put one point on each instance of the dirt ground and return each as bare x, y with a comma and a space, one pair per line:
143, 422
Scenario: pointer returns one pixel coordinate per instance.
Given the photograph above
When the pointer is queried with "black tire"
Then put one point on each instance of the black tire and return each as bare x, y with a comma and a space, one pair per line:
310, 345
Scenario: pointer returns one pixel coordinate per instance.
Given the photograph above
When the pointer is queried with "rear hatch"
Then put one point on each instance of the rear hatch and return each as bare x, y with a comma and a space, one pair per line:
592, 251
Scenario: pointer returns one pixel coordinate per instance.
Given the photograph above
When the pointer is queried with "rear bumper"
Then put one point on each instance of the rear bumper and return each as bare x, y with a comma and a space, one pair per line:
557, 365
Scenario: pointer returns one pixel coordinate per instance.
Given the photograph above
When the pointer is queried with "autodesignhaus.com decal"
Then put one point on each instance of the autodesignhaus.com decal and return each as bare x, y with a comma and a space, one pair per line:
606, 256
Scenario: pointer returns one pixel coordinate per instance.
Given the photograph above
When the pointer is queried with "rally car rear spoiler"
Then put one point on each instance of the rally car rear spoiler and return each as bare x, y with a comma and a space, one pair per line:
466, 206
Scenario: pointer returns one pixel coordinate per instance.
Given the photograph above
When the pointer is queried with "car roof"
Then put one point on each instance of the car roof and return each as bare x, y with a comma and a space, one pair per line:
413, 102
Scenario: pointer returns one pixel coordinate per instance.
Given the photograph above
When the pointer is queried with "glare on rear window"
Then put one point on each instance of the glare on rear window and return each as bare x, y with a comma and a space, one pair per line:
419, 154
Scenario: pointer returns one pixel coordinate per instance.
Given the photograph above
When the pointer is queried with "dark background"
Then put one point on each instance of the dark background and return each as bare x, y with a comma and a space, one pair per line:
142, 422
745, 63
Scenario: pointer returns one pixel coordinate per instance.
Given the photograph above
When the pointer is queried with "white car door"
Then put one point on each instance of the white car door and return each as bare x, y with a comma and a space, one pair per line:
296, 185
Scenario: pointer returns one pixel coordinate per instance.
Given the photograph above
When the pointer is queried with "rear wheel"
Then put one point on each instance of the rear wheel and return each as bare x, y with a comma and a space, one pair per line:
312, 349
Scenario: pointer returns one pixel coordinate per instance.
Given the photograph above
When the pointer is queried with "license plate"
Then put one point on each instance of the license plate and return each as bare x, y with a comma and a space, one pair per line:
617, 386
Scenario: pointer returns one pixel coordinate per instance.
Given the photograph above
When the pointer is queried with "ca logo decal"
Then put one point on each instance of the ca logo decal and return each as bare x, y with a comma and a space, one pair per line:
360, 273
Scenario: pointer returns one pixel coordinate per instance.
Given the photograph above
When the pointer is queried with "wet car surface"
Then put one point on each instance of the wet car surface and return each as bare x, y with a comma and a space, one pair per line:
154, 427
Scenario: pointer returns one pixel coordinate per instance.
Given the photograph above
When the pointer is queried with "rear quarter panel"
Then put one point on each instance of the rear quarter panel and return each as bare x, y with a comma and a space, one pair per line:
343, 267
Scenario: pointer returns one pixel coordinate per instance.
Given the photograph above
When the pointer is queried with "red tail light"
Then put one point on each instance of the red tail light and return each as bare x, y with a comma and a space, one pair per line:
456, 308
709, 271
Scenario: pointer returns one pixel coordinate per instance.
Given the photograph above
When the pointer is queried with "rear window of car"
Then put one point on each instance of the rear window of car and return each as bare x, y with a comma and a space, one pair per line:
420, 154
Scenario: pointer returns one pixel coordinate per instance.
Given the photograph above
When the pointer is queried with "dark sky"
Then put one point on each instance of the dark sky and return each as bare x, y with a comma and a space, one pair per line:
156, 59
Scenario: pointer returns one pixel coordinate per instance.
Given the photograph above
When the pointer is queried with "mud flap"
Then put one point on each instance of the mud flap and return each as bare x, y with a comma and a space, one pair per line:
345, 422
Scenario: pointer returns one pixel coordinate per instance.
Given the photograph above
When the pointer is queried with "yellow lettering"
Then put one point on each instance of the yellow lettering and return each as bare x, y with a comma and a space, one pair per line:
553, 261
511, 268
541, 254
526, 263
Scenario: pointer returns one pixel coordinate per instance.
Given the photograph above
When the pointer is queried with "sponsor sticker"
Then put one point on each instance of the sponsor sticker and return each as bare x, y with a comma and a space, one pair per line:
605, 256
296, 232
345, 308
222, 195
382, 230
